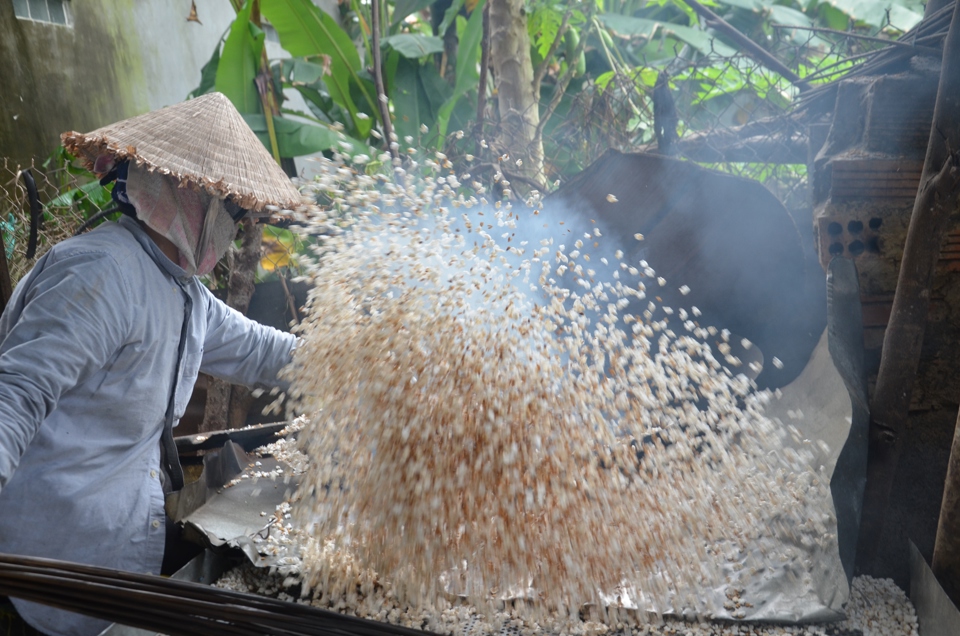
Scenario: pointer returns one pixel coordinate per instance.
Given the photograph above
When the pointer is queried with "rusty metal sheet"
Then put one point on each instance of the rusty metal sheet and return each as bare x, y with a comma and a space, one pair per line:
937, 615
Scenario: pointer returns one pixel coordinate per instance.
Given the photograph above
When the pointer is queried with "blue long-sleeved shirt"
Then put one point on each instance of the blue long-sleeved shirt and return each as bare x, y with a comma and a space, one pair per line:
88, 345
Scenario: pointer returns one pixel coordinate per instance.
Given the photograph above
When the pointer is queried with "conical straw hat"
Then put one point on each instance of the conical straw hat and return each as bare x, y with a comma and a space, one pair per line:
203, 142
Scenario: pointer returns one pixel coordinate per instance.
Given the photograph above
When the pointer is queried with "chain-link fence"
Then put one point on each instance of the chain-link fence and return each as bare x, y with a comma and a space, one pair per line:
65, 198
721, 108
69, 199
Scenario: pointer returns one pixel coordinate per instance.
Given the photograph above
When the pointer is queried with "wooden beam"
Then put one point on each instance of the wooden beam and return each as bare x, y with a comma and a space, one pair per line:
946, 550
936, 202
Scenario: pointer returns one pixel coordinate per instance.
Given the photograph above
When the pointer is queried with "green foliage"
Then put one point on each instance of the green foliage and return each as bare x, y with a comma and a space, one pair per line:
208, 74
296, 138
543, 26
79, 189
468, 75
450, 15
626, 44
404, 8
306, 31
418, 96
239, 64
89, 197
649, 29
413, 45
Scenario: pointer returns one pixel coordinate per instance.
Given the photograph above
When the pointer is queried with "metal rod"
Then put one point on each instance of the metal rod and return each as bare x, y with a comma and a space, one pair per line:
857, 36
178, 606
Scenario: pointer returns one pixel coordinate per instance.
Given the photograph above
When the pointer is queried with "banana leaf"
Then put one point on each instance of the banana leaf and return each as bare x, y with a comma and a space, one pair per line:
468, 73
240, 62
296, 138
306, 31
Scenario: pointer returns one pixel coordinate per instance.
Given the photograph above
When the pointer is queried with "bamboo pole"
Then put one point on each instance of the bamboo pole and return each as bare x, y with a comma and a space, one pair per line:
382, 100
484, 72
935, 203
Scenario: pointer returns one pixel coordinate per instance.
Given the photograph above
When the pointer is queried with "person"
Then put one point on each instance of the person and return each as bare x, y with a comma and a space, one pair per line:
102, 342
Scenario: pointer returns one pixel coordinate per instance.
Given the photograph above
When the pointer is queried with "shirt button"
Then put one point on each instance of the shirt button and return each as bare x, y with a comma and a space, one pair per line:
153, 474
155, 523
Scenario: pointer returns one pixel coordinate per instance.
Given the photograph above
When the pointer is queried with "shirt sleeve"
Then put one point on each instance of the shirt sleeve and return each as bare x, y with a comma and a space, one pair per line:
241, 350
63, 323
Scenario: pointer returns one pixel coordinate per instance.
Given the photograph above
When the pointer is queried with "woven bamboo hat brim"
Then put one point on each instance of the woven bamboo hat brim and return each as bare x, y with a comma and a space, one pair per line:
203, 142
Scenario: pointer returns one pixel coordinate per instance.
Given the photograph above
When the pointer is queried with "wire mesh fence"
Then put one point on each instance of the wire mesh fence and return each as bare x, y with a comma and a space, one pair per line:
70, 199
66, 198
722, 108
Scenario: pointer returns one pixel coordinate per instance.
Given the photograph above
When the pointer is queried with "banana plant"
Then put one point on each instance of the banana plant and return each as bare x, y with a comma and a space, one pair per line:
233, 70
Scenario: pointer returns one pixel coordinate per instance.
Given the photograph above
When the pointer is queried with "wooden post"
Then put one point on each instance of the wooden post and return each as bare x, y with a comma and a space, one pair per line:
946, 550
936, 202
225, 403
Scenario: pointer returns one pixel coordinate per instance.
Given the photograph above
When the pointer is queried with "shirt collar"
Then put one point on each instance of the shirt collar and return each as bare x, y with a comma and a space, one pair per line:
151, 248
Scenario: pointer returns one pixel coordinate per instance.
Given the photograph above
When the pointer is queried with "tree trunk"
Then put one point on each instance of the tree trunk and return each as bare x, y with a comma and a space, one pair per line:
227, 405
518, 99
935, 203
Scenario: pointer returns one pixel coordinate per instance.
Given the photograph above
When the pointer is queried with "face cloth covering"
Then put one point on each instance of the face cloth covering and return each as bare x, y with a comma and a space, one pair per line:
197, 223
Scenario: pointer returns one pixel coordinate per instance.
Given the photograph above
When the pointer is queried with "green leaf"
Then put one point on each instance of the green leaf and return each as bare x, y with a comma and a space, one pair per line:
603, 80
452, 12
306, 31
297, 70
239, 63
875, 13
296, 139
645, 75
834, 18
412, 45
404, 8
468, 75
543, 27
419, 93
903, 18
788, 16
91, 192
700, 40
749, 5
208, 75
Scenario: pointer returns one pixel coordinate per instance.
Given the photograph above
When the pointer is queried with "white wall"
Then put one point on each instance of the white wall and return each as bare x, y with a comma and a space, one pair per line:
174, 50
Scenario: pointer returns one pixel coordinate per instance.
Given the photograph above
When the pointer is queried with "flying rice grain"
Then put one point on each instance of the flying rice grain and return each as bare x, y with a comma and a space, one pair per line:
467, 436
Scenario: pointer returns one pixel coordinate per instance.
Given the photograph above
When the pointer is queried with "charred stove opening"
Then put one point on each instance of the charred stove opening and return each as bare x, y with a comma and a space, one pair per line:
855, 227
856, 248
873, 245
836, 249
875, 223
